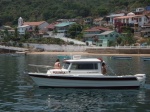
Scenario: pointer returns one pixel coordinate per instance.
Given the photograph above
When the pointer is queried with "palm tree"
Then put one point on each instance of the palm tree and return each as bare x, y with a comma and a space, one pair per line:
119, 40
36, 31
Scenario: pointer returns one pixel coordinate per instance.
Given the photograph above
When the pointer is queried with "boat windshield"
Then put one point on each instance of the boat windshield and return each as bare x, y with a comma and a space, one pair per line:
66, 65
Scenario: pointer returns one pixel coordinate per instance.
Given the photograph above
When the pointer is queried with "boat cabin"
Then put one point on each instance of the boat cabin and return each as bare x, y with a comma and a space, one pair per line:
80, 66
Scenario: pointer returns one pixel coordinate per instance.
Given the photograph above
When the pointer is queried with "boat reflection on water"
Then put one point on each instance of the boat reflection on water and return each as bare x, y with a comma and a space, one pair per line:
95, 100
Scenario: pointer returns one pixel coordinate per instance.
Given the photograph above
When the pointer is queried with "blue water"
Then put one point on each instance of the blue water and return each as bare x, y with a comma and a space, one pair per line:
18, 93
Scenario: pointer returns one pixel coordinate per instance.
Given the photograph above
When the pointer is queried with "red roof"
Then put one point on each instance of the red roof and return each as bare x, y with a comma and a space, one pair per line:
52, 25
33, 23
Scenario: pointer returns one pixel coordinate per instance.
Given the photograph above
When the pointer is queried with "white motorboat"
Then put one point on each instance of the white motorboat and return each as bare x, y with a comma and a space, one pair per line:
84, 73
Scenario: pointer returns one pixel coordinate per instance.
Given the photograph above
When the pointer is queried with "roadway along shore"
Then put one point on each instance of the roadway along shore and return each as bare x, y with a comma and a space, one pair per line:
85, 53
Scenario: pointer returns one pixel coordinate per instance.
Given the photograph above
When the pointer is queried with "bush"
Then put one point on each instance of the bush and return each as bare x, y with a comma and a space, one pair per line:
71, 43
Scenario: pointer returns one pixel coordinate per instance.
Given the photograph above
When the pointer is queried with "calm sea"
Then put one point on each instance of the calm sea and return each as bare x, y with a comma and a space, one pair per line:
18, 93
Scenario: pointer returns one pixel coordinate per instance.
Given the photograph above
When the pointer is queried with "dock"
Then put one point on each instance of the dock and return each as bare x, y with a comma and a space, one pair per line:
10, 49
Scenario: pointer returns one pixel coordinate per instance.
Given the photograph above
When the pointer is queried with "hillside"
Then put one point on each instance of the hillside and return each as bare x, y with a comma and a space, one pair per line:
50, 10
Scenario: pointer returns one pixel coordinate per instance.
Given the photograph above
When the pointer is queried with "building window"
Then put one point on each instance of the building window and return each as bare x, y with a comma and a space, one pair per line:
100, 41
123, 20
132, 19
140, 19
106, 35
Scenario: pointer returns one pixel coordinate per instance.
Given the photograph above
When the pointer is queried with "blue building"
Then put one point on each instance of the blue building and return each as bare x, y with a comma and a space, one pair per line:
63, 27
147, 8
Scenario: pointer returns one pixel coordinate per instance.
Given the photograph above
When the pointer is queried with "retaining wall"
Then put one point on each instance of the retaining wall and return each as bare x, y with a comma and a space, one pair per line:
119, 51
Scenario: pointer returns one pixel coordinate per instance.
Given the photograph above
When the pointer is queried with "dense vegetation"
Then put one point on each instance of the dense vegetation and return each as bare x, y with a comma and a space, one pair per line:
51, 10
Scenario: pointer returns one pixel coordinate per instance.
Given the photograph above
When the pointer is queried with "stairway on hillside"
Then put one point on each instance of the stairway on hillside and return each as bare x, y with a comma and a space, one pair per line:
61, 36
137, 35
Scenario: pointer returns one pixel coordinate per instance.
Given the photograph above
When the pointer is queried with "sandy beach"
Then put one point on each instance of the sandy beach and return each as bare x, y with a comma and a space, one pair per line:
86, 53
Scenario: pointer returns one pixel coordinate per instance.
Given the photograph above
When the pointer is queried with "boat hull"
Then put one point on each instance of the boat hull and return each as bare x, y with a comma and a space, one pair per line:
146, 58
115, 82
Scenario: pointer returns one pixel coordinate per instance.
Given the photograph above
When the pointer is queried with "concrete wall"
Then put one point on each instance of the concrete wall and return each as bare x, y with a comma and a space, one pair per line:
119, 51
100, 50
58, 48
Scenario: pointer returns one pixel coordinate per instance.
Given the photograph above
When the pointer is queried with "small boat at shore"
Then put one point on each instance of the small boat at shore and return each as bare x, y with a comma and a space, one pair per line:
145, 58
121, 57
62, 57
84, 73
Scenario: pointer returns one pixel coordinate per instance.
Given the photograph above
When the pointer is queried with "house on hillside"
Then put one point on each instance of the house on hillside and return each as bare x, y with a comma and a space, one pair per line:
40, 24
66, 20
110, 18
131, 20
139, 10
88, 21
6, 30
106, 37
145, 30
103, 39
147, 8
22, 29
63, 27
94, 31
51, 26
30, 26
99, 21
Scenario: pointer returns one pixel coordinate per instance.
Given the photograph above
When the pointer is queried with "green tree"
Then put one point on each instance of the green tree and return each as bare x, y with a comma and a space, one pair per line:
102, 11
74, 30
6, 35
16, 33
119, 40
36, 30
129, 37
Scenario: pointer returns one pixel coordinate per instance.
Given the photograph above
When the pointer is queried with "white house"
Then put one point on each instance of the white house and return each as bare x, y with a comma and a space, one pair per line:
22, 29
140, 9
25, 26
131, 20
40, 24
110, 18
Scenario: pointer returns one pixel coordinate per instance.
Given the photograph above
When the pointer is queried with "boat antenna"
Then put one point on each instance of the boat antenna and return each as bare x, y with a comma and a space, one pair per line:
111, 70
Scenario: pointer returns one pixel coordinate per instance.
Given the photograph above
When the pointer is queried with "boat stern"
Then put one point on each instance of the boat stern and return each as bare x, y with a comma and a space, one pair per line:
141, 78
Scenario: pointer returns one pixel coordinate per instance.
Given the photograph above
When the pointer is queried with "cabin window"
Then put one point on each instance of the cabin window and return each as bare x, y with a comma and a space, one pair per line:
66, 65
84, 66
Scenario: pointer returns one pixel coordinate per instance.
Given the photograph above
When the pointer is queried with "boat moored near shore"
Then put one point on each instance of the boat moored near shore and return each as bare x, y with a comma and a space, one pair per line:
145, 58
85, 73
122, 57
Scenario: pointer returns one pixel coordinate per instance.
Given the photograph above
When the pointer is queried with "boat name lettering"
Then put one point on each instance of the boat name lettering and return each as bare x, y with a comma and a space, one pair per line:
92, 72
58, 72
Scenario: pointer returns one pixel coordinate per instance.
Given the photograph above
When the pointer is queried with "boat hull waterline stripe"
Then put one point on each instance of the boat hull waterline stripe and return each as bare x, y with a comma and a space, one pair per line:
87, 78
93, 87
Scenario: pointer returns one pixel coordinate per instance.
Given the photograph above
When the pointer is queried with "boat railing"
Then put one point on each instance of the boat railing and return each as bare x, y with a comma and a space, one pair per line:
39, 68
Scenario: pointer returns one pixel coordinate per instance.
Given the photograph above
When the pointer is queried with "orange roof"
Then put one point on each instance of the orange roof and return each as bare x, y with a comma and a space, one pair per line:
52, 25
33, 23
125, 17
97, 29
